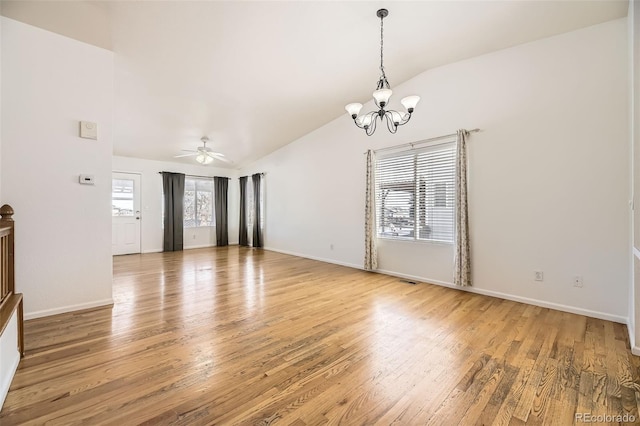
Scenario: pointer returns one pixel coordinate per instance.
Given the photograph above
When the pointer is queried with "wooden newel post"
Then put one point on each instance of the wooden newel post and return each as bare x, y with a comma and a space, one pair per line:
6, 220
12, 301
6, 212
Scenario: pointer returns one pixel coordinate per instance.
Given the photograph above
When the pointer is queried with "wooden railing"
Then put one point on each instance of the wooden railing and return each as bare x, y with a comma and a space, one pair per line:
10, 301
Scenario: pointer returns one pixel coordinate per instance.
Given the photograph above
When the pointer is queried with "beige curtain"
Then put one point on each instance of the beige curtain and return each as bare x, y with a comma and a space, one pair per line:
462, 273
370, 235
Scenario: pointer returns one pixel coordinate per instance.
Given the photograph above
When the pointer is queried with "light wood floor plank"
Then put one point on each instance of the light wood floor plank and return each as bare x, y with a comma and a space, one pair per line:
234, 335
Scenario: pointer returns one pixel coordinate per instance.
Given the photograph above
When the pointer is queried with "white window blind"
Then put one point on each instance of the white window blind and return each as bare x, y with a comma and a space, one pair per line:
415, 193
198, 202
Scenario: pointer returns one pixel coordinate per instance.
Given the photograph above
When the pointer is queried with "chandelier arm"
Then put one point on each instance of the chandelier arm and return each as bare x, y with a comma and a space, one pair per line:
391, 126
355, 121
403, 120
372, 127
371, 113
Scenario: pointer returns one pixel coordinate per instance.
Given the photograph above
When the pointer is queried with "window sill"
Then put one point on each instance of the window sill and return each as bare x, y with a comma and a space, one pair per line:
414, 241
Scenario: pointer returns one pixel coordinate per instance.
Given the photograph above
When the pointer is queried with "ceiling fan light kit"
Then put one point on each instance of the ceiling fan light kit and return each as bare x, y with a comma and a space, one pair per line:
203, 158
381, 97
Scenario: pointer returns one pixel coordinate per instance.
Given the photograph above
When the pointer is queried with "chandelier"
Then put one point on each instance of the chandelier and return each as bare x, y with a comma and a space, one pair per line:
381, 97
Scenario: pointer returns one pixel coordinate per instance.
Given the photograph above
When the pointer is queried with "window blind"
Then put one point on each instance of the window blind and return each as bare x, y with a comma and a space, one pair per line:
415, 193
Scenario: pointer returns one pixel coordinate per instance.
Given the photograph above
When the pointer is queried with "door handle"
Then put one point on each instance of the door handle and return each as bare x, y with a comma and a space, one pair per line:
137, 214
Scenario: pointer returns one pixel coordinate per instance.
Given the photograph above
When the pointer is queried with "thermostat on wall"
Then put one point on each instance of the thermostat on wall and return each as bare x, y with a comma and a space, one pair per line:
88, 130
87, 180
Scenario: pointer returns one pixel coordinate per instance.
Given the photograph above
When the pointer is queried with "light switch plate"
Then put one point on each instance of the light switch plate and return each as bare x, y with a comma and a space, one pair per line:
88, 130
87, 180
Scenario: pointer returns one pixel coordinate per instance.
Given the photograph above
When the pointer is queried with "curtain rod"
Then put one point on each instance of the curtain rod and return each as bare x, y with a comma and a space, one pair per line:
205, 177
412, 144
261, 174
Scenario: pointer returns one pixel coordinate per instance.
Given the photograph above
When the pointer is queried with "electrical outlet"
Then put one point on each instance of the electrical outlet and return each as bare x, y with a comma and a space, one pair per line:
577, 281
538, 276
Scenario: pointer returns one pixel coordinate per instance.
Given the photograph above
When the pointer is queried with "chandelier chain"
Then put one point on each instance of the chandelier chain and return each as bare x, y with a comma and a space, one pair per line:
383, 77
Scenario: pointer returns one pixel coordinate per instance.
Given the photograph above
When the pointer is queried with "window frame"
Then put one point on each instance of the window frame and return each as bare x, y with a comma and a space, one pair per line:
212, 222
420, 209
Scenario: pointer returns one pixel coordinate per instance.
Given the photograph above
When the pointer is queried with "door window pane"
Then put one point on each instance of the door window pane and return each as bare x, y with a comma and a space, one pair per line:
122, 197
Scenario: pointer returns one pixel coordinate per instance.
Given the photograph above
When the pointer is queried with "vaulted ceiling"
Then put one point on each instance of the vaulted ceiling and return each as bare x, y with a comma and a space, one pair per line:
254, 76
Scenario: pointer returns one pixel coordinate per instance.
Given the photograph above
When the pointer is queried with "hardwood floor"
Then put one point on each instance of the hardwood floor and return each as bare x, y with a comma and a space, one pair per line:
241, 336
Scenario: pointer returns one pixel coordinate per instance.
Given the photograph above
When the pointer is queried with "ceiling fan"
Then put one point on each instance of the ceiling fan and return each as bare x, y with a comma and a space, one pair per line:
204, 155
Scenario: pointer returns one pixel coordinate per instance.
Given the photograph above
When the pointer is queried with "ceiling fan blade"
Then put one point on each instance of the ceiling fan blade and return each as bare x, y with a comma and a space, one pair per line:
186, 155
217, 156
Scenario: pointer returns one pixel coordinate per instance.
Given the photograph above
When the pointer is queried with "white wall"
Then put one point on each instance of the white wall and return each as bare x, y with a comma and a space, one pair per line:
1, 199
9, 355
152, 201
633, 23
63, 229
549, 174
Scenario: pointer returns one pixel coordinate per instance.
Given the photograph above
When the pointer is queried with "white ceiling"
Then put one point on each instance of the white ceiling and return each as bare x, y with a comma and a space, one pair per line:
254, 76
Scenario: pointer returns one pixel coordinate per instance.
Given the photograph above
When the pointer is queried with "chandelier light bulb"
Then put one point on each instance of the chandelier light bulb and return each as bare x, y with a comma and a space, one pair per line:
397, 117
353, 109
410, 102
364, 120
382, 97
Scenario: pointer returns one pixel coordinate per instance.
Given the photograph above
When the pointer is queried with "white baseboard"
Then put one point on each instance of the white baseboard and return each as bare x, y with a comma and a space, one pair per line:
630, 324
151, 251
321, 259
69, 308
500, 295
187, 248
199, 246
632, 337
514, 298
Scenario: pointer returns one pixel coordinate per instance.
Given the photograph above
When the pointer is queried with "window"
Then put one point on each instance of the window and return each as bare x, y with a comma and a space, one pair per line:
122, 197
415, 194
198, 202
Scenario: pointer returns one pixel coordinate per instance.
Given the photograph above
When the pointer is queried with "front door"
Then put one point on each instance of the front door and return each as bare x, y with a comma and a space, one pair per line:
125, 207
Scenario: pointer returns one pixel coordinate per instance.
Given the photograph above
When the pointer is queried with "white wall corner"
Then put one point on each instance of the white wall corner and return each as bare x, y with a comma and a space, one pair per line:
1, 199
